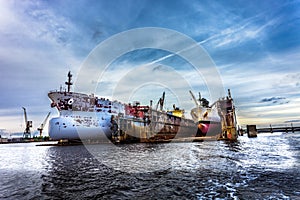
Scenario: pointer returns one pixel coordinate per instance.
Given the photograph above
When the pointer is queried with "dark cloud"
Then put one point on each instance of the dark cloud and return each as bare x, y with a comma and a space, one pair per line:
97, 35
275, 100
272, 99
285, 102
160, 68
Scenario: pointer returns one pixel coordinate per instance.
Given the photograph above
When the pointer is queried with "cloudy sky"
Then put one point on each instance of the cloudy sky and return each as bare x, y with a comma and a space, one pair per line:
254, 45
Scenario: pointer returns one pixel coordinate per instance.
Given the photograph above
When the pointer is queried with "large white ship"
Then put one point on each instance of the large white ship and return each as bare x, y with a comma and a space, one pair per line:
88, 117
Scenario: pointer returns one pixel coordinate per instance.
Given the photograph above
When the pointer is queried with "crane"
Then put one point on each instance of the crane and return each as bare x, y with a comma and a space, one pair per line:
40, 129
194, 98
161, 102
28, 125
202, 101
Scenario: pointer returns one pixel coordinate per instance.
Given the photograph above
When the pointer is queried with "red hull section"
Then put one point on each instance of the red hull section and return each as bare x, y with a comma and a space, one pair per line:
209, 128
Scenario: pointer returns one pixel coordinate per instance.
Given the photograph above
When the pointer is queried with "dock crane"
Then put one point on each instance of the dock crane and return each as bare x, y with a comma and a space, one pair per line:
28, 125
40, 129
202, 101
196, 112
202, 108
194, 98
161, 102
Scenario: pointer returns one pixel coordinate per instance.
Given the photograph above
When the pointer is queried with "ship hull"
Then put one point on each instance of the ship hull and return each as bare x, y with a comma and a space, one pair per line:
209, 128
97, 126
66, 128
85, 117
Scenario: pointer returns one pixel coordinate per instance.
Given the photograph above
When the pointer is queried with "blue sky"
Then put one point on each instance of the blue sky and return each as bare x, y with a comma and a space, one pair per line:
254, 45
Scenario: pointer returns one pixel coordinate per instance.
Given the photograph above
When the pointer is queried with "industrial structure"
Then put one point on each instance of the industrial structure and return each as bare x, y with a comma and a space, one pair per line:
28, 125
40, 129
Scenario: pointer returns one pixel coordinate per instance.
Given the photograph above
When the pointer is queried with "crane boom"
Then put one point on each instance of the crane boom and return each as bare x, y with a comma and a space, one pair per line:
161, 102
45, 121
194, 98
43, 124
25, 115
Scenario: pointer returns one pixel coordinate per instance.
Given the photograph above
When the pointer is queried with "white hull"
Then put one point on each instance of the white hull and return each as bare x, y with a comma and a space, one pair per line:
68, 128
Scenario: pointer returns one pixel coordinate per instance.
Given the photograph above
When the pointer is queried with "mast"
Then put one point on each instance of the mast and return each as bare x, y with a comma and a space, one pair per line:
69, 83
229, 94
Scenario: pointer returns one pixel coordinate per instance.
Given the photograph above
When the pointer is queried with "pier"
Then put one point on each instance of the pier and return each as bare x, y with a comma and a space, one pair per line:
252, 130
271, 129
278, 129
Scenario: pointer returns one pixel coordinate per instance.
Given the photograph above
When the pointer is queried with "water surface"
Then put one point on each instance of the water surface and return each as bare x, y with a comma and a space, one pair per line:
266, 167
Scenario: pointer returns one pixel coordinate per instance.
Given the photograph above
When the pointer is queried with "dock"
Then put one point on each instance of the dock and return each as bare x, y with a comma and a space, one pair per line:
278, 129
252, 129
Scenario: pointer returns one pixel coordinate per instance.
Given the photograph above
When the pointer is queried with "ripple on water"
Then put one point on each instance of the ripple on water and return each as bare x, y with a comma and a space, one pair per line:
266, 167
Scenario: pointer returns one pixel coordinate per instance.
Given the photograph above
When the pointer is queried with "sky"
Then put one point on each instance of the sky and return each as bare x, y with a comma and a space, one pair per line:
254, 46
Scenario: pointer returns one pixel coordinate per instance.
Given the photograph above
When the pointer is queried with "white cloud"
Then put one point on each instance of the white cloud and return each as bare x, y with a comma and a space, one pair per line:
244, 31
265, 78
38, 42
33, 61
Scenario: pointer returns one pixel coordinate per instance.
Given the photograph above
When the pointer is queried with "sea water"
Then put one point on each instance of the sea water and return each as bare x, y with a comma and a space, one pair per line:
266, 167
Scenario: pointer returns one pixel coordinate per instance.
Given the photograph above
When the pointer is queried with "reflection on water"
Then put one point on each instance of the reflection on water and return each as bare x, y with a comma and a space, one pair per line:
265, 167
21, 167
